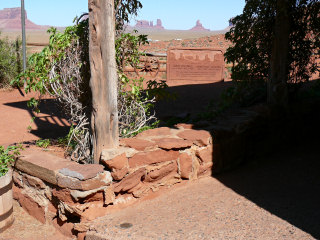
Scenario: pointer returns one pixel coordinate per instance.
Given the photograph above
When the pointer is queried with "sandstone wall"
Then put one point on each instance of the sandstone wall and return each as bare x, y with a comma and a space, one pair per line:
70, 195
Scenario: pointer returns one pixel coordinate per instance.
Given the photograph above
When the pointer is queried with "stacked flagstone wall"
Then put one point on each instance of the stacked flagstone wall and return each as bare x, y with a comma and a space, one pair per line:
70, 195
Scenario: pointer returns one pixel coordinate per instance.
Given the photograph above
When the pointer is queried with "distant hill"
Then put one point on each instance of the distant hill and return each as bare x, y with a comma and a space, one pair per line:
159, 33
10, 20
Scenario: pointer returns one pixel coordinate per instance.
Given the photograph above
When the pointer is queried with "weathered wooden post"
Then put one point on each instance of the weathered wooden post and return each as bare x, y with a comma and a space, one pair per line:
103, 82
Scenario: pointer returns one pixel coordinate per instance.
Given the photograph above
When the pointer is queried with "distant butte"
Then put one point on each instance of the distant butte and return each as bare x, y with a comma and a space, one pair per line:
199, 27
10, 19
143, 24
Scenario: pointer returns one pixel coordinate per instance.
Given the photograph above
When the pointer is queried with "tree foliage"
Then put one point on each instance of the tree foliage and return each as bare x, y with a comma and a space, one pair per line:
62, 69
252, 36
124, 9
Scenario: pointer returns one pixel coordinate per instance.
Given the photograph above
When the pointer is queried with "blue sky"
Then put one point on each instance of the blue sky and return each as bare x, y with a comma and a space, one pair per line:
175, 14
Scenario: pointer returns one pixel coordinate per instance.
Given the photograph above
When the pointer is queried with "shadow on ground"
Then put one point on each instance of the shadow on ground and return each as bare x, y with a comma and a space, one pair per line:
285, 182
50, 123
190, 99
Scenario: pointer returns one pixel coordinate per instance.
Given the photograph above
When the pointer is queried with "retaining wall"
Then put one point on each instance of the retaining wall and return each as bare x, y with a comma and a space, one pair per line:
70, 195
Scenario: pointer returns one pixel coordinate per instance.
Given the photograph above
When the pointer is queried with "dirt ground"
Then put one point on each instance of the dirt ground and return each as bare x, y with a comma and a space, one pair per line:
16, 122
26, 227
276, 197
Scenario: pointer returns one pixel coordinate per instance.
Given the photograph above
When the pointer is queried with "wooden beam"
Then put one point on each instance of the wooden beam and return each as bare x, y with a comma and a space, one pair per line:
103, 82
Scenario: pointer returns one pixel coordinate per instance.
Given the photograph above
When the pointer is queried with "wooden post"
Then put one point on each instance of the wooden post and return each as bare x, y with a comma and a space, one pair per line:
103, 82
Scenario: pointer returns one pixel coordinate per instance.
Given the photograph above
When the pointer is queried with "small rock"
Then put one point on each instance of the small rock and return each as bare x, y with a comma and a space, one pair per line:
126, 225
119, 174
185, 164
205, 155
109, 196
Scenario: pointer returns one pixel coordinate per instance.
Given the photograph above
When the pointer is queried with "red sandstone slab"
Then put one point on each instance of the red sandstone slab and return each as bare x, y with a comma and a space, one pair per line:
185, 164
138, 144
129, 181
81, 171
117, 163
158, 174
173, 143
46, 167
119, 174
29, 205
42, 165
195, 64
199, 137
102, 179
163, 131
143, 159
205, 155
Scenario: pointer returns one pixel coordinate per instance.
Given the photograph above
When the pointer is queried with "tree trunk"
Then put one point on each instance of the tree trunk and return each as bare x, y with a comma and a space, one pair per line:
103, 82
277, 87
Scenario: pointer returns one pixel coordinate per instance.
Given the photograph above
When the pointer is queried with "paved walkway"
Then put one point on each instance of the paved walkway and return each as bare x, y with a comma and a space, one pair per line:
274, 198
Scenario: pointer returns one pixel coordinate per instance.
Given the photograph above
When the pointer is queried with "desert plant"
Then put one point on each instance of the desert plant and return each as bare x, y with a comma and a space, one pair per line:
10, 61
7, 158
43, 143
62, 69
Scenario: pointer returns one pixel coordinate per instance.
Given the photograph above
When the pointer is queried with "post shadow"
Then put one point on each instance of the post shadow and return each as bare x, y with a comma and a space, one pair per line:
51, 123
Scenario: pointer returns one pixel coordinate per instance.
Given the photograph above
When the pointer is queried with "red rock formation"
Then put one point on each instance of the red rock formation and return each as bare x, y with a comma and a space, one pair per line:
10, 19
199, 27
159, 24
142, 24
149, 25
10, 13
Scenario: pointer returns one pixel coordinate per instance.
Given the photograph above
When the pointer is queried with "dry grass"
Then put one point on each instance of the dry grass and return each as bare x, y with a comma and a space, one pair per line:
39, 37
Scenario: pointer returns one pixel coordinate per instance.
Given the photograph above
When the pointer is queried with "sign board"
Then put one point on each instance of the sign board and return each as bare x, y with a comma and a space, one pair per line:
195, 64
